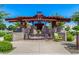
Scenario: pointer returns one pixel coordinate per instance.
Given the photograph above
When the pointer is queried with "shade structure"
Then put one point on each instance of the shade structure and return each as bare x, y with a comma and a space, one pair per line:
39, 16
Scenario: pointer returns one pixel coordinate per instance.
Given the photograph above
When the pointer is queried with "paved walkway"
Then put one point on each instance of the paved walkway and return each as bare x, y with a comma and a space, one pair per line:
38, 47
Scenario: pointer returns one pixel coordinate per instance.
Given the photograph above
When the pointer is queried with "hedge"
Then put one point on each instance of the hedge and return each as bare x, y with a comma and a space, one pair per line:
5, 46
8, 37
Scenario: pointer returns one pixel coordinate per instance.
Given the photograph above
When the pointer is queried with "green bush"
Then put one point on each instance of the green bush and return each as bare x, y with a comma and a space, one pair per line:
67, 28
5, 46
2, 26
70, 37
73, 33
57, 37
2, 33
8, 37
38, 31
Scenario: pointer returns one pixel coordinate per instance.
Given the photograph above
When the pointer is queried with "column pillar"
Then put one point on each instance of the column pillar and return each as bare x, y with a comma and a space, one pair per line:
53, 23
65, 36
24, 24
20, 24
54, 26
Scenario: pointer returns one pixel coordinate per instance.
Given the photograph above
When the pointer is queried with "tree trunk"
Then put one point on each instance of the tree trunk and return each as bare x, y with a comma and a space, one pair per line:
77, 40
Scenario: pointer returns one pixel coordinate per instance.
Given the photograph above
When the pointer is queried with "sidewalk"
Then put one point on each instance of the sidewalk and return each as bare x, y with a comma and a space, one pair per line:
38, 47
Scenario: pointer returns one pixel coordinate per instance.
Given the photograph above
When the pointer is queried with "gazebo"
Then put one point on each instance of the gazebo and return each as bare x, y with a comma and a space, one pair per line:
39, 17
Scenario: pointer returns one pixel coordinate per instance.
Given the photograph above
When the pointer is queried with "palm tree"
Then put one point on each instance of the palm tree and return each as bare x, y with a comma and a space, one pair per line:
2, 17
67, 28
3, 14
11, 27
60, 24
17, 24
76, 28
75, 18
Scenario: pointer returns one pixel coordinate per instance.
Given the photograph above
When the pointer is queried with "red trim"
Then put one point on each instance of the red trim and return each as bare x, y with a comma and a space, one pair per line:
38, 16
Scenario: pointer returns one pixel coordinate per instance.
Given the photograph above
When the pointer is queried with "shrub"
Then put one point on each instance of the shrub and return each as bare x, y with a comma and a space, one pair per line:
8, 37
67, 28
73, 33
38, 31
76, 28
5, 46
2, 33
57, 37
2, 26
70, 37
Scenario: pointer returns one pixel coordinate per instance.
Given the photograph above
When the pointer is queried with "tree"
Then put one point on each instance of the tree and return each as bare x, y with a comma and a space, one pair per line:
75, 18
76, 28
11, 27
3, 15
17, 24
60, 26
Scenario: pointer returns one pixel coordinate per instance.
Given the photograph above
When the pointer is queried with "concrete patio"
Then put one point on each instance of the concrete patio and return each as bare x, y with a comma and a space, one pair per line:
38, 47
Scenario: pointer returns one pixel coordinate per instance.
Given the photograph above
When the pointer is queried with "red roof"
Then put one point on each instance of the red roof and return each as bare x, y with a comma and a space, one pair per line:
37, 17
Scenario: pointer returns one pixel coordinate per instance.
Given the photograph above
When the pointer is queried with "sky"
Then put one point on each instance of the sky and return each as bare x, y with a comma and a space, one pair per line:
15, 10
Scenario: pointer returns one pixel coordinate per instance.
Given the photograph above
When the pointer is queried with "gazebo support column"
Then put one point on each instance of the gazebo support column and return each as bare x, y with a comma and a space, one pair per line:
54, 28
58, 27
22, 25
